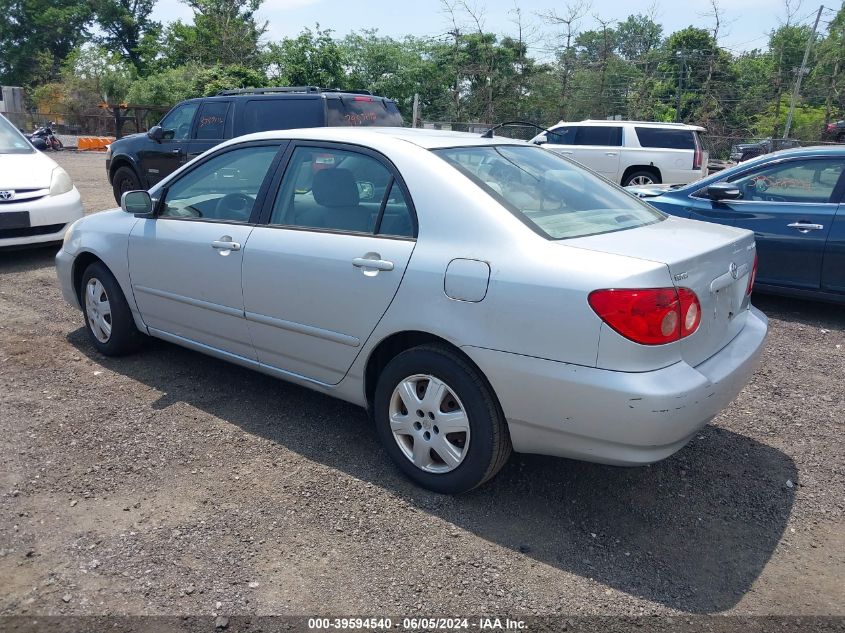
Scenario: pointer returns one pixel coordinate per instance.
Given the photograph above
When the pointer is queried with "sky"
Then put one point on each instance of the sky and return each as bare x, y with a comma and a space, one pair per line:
746, 23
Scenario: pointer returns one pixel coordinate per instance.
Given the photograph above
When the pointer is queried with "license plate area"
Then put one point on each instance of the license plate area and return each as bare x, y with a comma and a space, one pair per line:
14, 220
728, 301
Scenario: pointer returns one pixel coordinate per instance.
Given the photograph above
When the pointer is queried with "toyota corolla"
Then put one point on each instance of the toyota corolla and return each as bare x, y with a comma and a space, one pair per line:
476, 295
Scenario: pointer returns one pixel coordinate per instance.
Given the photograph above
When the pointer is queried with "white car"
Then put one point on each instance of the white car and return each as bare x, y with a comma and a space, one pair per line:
632, 152
474, 294
37, 198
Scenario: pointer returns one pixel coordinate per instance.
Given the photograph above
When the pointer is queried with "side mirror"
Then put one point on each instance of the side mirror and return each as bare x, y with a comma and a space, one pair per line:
723, 191
138, 203
540, 139
156, 133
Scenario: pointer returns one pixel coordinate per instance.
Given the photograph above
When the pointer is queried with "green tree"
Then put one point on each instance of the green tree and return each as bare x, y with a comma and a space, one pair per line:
37, 35
224, 33
313, 58
127, 29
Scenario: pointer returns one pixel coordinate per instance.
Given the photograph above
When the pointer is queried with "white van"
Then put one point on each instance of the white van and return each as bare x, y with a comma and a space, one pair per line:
632, 152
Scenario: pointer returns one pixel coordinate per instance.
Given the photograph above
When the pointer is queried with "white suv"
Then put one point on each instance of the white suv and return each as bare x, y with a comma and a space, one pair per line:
632, 152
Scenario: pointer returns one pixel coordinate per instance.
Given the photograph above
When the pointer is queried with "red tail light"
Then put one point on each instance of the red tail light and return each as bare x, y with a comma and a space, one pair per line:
650, 316
752, 277
697, 154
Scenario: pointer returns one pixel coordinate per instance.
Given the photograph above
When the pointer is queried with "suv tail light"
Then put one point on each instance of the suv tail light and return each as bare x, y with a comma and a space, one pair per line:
753, 276
697, 154
650, 316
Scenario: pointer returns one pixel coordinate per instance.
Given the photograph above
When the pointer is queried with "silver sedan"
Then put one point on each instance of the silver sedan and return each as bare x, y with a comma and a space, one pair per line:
476, 295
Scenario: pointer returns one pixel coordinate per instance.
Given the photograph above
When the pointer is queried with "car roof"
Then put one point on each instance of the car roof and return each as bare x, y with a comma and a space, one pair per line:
427, 139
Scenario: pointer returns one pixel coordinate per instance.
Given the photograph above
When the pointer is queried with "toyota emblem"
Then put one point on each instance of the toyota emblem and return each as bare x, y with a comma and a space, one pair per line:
7, 195
734, 270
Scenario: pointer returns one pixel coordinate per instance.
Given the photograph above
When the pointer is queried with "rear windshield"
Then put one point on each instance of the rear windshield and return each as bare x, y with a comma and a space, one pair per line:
551, 194
362, 110
666, 139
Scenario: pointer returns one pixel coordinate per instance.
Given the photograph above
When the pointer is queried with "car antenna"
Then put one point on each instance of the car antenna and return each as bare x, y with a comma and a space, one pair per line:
489, 133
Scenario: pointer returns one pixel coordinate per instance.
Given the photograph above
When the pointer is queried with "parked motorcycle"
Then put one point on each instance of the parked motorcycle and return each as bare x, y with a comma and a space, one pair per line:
43, 138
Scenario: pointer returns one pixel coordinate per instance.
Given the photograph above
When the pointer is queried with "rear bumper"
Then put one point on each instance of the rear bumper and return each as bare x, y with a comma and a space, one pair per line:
49, 218
620, 418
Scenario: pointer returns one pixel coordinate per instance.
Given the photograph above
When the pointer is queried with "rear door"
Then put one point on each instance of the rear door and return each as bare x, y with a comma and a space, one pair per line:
321, 272
212, 126
833, 267
598, 147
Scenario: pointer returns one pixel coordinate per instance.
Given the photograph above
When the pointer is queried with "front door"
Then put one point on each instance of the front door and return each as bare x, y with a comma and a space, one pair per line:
185, 265
790, 206
324, 269
159, 159
212, 126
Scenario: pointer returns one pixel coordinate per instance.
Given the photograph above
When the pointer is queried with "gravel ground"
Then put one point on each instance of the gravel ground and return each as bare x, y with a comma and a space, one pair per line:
172, 483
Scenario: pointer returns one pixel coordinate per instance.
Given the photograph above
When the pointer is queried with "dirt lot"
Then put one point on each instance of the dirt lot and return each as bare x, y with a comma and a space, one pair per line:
171, 483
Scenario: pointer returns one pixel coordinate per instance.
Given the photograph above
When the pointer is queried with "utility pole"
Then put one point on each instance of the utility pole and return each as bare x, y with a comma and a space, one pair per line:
801, 73
683, 68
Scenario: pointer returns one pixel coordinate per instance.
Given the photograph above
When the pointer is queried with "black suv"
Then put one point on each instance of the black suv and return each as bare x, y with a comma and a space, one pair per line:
139, 161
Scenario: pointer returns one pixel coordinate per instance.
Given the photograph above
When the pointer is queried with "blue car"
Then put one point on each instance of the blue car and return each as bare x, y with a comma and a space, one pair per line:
792, 200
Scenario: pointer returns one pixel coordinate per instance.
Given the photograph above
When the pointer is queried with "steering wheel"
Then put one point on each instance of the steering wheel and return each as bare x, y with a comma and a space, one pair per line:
234, 206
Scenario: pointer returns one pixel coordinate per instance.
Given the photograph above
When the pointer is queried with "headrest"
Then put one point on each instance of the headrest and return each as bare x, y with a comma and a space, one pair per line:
335, 187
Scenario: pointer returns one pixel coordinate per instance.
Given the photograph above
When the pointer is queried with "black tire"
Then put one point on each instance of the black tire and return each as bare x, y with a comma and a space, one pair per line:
124, 337
642, 173
124, 180
489, 445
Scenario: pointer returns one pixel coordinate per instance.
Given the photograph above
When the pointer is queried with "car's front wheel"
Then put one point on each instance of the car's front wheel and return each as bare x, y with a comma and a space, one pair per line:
108, 318
439, 420
124, 180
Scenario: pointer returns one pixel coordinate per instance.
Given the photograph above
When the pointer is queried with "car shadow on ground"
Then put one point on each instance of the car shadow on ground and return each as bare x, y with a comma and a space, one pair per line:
692, 532
815, 313
26, 259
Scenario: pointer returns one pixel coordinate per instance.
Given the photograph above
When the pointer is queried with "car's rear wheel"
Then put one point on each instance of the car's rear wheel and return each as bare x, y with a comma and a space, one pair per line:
108, 318
643, 177
439, 420
124, 180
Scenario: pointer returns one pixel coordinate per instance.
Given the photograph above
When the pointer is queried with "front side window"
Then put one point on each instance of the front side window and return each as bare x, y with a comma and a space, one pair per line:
807, 181
343, 191
561, 136
212, 120
224, 188
176, 125
549, 193
603, 135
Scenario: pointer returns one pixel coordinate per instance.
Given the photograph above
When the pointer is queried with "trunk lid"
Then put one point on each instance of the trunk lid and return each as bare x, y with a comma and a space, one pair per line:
714, 261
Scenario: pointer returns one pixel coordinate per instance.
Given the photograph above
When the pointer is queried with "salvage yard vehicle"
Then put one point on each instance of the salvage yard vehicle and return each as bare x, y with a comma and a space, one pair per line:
793, 201
190, 128
37, 198
632, 152
475, 295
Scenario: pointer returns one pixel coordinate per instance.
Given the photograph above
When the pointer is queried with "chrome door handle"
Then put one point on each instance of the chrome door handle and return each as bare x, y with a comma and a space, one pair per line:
377, 264
176, 151
224, 244
805, 227
565, 151
610, 153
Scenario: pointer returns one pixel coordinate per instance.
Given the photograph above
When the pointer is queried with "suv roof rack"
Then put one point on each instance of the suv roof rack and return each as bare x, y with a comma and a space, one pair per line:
288, 89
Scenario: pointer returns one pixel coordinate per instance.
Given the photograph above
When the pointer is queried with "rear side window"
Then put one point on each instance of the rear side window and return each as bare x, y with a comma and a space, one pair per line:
211, 124
666, 139
561, 136
362, 110
286, 113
